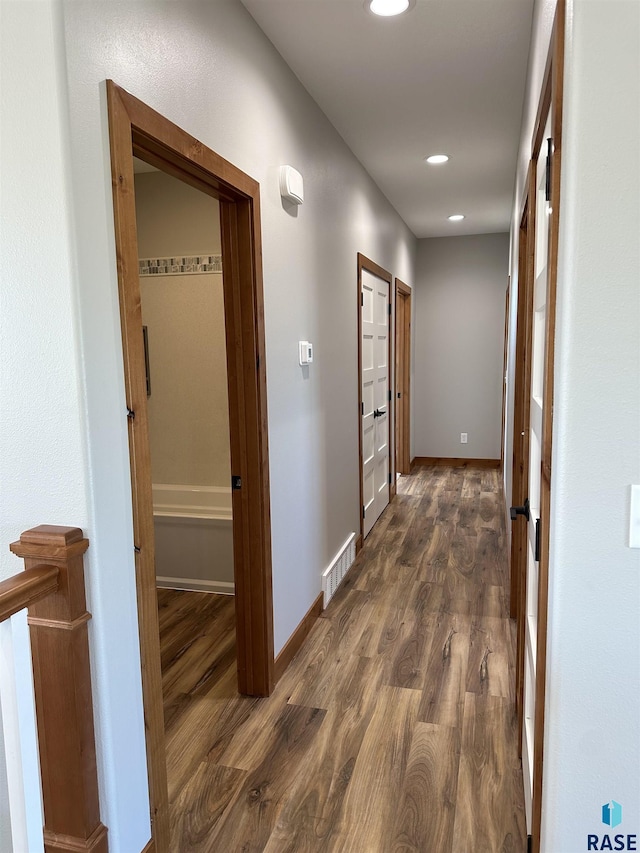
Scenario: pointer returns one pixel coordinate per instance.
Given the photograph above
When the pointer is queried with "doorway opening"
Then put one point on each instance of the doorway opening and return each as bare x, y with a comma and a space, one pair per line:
136, 129
182, 303
403, 377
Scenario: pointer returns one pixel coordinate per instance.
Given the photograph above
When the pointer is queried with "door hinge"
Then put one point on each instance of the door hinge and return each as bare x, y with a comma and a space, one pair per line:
257, 362
362, 299
236, 482
399, 395
389, 477
536, 556
389, 307
389, 394
529, 844
362, 408
131, 414
547, 178
363, 511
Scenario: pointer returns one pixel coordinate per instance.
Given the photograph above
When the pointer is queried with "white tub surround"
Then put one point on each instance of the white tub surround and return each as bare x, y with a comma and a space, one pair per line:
194, 537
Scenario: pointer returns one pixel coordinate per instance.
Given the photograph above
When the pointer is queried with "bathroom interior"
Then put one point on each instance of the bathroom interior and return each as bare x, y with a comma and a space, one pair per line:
179, 248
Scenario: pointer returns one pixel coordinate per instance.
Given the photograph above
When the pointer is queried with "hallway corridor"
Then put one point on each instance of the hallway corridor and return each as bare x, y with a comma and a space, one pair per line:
394, 728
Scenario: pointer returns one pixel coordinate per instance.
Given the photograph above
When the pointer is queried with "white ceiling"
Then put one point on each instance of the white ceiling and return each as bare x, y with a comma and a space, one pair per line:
446, 77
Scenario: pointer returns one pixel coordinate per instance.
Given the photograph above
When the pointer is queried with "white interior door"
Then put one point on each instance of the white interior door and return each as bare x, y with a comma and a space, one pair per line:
538, 339
374, 350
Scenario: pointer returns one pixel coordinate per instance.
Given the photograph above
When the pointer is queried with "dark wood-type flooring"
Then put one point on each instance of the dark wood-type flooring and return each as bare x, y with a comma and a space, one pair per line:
394, 728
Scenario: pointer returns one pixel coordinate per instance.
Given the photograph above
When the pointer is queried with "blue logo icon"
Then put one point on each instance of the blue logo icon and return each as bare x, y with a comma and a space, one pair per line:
612, 814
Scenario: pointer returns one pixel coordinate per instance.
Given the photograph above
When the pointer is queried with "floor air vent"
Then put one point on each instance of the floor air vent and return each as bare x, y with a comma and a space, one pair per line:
333, 576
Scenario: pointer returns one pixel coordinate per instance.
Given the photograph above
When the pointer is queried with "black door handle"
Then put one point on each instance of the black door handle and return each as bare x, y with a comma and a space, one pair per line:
515, 511
378, 413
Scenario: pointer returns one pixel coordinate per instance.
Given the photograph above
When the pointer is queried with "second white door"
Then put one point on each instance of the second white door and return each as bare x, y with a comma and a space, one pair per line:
375, 310
536, 420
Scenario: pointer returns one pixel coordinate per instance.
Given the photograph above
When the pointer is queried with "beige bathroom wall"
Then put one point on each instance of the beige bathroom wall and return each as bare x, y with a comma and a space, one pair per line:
174, 218
184, 315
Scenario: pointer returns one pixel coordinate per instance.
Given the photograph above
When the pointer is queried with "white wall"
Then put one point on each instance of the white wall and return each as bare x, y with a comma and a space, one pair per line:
593, 702
43, 476
207, 67
460, 292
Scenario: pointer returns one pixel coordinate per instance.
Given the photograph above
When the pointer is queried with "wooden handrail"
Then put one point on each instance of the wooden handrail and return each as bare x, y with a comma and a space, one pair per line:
22, 590
52, 586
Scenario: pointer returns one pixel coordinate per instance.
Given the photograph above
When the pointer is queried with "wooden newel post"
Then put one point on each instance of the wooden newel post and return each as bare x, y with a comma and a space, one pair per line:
62, 682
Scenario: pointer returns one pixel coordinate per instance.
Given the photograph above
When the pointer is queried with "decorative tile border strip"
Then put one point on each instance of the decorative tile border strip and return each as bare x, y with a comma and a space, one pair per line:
191, 265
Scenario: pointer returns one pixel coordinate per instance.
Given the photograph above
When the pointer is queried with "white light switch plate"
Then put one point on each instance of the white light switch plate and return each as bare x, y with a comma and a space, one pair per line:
634, 521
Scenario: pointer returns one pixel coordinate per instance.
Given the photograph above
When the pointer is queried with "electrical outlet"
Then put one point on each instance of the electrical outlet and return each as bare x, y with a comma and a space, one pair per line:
463, 438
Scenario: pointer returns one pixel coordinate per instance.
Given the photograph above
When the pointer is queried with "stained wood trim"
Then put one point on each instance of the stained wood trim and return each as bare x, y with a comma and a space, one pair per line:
133, 126
358, 544
403, 376
555, 97
55, 842
365, 263
29, 586
453, 462
545, 99
295, 641
149, 847
521, 432
507, 515
62, 690
505, 356
371, 266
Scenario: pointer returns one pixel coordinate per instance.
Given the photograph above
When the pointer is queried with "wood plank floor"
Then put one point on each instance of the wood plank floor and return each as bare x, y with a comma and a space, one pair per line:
393, 730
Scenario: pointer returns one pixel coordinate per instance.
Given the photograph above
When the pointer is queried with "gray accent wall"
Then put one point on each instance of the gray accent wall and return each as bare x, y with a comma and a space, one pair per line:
460, 294
208, 68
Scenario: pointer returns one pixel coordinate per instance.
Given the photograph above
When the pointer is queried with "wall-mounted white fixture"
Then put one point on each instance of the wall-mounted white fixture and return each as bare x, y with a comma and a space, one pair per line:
305, 352
634, 521
463, 438
434, 159
291, 185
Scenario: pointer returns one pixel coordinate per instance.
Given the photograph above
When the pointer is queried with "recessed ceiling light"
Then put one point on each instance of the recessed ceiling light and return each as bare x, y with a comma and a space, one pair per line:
456, 217
437, 158
388, 8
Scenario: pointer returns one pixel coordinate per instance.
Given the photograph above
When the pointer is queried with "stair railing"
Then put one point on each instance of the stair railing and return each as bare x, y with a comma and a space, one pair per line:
52, 588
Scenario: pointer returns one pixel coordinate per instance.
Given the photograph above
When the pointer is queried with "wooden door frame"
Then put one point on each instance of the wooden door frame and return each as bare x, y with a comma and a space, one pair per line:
522, 385
521, 429
367, 264
505, 357
550, 104
403, 366
134, 128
